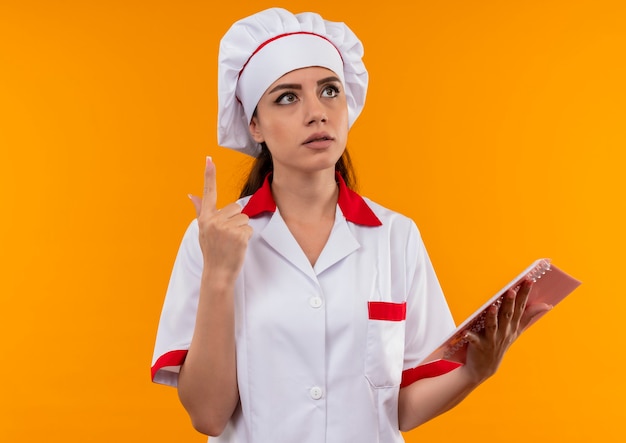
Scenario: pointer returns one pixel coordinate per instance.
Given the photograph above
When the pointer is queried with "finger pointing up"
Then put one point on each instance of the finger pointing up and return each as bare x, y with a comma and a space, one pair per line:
209, 197
207, 203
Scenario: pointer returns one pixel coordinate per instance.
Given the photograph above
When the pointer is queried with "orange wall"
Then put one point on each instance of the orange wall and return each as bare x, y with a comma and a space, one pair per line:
498, 126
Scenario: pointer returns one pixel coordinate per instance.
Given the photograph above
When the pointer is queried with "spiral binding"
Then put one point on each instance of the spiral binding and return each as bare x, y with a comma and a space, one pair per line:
478, 324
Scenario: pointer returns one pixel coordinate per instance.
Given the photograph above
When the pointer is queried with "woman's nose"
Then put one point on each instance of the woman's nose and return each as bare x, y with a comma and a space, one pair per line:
315, 111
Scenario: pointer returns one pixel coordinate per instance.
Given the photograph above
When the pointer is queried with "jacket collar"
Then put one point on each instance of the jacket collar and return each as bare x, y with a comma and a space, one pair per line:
354, 208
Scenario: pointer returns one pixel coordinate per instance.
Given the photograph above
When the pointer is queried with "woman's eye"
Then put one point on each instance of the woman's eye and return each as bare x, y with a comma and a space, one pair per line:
286, 99
330, 91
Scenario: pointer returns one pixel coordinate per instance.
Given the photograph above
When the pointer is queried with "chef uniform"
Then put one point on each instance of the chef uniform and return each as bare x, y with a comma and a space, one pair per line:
322, 350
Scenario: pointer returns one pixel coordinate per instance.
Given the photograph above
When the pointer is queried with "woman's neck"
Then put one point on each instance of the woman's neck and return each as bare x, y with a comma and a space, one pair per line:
306, 197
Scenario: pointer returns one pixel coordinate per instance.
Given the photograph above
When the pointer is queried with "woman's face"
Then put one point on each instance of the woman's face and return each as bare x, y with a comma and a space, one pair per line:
303, 119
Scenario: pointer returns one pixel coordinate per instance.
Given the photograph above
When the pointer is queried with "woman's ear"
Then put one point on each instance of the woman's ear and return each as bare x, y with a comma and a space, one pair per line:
255, 130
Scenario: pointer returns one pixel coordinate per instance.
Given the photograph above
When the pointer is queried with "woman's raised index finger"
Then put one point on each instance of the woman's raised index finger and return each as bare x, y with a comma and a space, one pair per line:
209, 198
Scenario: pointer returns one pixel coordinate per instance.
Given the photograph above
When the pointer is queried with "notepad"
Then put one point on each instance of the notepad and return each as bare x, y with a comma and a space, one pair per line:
551, 285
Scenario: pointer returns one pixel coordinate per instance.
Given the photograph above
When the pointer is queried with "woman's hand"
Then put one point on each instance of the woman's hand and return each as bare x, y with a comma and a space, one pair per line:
502, 327
223, 233
429, 397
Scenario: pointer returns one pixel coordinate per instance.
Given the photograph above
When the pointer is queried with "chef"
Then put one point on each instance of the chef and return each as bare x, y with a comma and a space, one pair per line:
300, 312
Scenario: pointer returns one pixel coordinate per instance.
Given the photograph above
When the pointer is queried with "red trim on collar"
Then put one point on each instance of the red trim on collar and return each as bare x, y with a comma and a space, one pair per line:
354, 207
261, 201
351, 204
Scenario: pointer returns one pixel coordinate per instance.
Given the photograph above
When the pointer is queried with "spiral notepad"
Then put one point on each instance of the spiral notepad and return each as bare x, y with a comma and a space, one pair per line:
550, 286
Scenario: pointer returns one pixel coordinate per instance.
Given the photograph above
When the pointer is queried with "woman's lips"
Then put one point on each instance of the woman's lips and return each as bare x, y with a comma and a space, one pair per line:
318, 141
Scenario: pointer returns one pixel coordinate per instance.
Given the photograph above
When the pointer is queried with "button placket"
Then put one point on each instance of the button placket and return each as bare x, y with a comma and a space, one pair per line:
316, 304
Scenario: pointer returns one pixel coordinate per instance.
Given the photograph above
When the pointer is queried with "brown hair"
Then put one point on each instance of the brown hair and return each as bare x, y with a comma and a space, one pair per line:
263, 165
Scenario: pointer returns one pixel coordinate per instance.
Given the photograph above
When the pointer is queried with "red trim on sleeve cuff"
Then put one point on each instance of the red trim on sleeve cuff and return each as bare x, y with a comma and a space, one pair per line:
383, 310
431, 369
172, 358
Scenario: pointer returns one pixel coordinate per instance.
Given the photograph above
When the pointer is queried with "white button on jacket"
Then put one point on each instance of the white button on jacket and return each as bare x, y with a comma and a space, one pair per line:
316, 393
315, 302
320, 349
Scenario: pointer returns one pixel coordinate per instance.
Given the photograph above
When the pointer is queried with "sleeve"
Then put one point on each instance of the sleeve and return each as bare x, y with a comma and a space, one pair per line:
428, 319
178, 315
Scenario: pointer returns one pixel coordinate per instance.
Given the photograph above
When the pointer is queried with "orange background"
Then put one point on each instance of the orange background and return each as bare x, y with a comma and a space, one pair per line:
498, 126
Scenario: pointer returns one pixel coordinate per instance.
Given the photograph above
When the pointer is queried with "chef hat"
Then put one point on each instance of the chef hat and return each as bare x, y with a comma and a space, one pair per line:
258, 50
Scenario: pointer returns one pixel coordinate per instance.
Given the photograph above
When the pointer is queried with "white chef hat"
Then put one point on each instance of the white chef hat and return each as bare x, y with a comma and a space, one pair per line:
259, 49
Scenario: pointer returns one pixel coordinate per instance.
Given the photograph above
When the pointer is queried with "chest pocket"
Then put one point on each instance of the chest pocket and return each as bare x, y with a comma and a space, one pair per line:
384, 354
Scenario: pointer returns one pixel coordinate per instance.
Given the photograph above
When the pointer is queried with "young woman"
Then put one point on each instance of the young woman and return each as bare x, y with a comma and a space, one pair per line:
297, 313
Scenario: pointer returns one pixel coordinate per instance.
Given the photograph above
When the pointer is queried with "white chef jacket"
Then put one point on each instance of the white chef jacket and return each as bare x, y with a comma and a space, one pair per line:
321, 350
